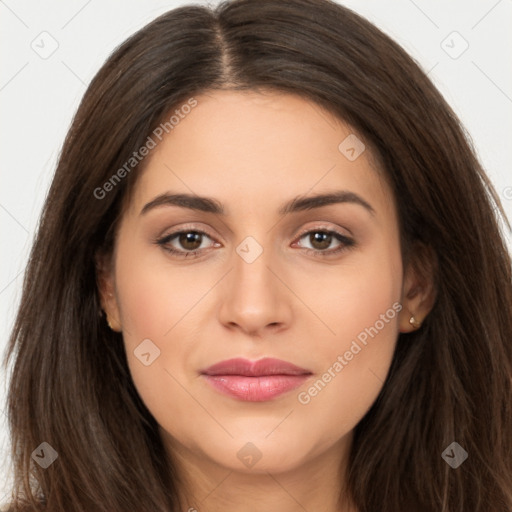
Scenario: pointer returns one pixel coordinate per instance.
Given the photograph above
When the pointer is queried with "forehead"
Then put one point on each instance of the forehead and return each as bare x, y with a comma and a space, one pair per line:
258, 149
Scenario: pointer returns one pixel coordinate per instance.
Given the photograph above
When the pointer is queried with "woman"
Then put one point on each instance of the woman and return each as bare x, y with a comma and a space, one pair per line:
269, 275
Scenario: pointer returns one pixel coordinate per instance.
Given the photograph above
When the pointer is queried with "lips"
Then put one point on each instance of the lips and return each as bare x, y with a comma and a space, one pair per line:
255, 381
265, 366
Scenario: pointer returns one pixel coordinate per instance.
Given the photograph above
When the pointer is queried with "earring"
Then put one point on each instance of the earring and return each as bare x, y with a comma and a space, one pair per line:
101, 312
415, 323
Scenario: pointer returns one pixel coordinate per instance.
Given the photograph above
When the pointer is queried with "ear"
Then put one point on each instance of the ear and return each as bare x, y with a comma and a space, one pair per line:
106, 289
419, 289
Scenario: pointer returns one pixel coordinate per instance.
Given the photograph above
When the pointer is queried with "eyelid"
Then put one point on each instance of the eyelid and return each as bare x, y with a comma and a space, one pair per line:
345, 240
323, 227
193, 227
188, 228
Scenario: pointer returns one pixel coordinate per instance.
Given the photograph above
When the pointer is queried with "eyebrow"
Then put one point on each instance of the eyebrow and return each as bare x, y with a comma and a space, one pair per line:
297, 204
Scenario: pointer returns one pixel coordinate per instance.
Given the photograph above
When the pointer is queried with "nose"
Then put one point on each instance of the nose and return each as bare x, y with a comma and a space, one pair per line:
255, 297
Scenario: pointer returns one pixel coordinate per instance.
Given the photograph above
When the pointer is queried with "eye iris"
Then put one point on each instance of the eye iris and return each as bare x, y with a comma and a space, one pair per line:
318, 237
190, 238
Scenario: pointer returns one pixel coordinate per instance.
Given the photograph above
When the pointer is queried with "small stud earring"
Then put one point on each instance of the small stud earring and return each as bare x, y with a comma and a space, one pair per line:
414, 322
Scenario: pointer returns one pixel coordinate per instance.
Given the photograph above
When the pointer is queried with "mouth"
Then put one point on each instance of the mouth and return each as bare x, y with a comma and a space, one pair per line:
255, 381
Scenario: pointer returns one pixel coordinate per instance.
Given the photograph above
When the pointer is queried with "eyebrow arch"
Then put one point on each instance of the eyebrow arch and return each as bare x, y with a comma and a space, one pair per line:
297, 204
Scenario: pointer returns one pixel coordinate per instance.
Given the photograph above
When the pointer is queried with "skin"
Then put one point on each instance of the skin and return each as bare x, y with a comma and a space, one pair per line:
252, 152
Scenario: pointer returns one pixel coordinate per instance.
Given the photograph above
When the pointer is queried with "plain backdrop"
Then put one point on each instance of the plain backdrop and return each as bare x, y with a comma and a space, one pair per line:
51, 50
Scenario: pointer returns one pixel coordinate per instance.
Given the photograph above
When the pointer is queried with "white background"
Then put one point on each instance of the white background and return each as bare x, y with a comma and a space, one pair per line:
38, 98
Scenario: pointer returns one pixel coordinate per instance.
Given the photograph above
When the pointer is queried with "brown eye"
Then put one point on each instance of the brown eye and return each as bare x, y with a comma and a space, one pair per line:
184, 243
190, 240
320, 240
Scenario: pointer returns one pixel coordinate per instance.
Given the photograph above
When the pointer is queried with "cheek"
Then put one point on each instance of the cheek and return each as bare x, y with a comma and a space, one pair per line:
355, 295
354, 366
361, 308
154, 294
157, 309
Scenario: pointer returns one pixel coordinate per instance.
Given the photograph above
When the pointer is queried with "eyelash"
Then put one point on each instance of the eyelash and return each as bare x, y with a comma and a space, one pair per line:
346, 243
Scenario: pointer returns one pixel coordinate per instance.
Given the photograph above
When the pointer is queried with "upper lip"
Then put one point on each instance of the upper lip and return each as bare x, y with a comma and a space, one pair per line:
246, 368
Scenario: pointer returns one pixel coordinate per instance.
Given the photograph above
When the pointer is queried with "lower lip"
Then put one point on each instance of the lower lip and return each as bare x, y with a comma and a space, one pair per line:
255, 389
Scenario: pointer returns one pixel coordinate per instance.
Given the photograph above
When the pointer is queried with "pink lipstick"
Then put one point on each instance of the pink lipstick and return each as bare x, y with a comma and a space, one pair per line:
255, 381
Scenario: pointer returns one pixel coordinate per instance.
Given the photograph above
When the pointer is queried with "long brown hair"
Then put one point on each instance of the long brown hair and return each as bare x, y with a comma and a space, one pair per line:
449, 381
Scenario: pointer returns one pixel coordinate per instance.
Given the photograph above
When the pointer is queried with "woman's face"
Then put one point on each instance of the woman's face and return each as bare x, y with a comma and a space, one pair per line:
318, 286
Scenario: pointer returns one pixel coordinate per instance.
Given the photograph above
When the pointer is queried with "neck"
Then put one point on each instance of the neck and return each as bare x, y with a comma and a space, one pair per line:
317, 484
